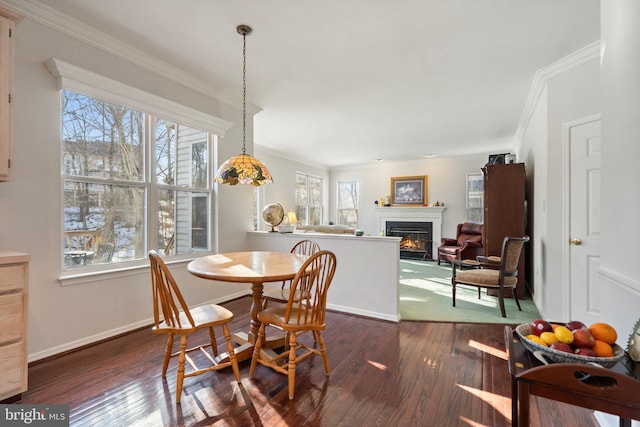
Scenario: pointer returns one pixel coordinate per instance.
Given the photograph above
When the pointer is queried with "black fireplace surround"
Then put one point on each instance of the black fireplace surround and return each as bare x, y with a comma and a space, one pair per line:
417, 238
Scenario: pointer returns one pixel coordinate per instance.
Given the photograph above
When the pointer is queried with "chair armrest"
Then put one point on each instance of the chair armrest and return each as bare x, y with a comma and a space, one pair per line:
471, 244
449, 242
490, 261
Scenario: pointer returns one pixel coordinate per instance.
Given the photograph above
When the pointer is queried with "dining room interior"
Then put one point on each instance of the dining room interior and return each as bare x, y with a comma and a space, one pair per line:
82, 204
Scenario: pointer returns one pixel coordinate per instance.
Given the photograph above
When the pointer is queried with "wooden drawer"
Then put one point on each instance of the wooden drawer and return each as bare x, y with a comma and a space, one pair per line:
13, 375
11, 317
12, 277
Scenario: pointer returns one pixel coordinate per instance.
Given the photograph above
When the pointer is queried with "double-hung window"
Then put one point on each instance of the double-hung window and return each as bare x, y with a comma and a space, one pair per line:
348, 202
308, 199
132, 182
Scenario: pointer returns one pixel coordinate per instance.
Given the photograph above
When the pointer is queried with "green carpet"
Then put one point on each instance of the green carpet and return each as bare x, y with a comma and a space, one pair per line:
425, 294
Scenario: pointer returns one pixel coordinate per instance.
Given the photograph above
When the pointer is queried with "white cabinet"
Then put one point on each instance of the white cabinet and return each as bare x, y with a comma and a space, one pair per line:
6, 94
14, 272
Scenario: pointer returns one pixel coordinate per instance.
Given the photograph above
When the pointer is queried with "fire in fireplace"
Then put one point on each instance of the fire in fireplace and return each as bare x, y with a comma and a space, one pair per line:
417, 238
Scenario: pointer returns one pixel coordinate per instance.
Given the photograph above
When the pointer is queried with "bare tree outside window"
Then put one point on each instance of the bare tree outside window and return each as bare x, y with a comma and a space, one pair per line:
348, 203
308, 199
106, 199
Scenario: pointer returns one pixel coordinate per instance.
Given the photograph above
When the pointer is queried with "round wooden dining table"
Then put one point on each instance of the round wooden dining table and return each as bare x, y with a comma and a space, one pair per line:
255, 267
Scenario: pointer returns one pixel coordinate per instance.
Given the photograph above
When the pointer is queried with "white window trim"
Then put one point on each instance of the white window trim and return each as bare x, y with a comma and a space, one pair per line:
89, 83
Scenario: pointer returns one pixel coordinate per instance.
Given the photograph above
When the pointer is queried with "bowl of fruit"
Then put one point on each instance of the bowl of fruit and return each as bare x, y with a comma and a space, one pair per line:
572, 342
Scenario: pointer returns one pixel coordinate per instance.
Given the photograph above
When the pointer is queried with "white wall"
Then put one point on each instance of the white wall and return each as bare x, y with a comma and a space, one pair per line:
620, 153
620, 131
367, 270
534, 154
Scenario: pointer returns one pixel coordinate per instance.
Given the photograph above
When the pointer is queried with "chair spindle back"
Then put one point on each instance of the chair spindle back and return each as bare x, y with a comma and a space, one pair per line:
311, 284
168, 302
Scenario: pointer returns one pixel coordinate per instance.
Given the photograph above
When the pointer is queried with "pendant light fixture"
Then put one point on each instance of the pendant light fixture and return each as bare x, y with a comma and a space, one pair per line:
243, 168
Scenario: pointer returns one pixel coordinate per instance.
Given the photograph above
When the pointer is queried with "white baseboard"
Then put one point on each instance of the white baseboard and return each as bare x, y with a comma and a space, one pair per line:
364, 313
52, 351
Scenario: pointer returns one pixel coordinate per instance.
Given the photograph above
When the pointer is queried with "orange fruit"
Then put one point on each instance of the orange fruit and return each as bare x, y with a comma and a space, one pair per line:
554, 326
602, 349
604, 332
548, 338
563, 334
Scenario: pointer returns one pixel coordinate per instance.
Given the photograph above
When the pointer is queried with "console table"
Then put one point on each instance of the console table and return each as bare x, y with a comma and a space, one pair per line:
613, 390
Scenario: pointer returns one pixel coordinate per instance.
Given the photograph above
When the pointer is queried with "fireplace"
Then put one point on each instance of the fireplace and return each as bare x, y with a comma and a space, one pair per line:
422, 238
417, 238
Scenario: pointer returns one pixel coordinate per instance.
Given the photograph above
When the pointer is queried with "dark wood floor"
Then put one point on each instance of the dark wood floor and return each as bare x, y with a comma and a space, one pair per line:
383, 374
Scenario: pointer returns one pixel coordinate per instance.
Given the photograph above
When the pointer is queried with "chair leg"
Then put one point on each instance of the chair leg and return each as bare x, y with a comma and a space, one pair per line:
453, 292
167, 355
501, 300
516, 298
291, 369
181, 360
256, 350
232, 354
214, 343
323, 351
479, 297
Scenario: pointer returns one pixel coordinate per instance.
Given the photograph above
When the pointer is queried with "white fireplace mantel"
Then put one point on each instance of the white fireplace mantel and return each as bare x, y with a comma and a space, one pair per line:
417, 213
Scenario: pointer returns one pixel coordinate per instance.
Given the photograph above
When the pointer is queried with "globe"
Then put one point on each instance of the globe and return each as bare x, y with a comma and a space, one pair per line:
273, 215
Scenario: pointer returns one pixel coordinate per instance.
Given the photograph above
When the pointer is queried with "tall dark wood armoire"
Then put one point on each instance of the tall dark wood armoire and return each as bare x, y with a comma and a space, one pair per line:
505, 211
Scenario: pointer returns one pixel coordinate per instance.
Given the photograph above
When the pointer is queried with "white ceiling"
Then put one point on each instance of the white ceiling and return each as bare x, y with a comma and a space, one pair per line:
351, 81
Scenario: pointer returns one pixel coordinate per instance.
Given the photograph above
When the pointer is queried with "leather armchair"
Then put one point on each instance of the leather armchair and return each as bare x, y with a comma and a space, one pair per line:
466, 245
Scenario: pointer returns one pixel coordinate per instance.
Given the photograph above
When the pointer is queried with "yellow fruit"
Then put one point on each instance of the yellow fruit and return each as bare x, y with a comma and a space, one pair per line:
536, 339
604, 332
563, 334
548, 338
602, 349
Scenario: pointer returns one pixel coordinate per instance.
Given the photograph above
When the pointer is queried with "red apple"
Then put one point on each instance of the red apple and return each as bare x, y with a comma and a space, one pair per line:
560, 346
575, 324
539, 326
584, 351
582, 338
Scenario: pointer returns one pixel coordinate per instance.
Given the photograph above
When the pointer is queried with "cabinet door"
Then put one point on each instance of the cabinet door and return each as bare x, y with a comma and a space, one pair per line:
6, 92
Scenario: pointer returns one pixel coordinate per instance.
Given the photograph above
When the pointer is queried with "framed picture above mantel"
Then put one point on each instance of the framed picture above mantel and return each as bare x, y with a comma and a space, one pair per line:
409, 190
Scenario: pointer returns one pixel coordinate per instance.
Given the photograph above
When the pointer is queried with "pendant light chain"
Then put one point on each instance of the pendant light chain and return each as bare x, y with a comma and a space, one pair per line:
243, 168
244, 92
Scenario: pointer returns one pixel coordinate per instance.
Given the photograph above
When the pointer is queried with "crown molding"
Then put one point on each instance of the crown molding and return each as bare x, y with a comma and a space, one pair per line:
49, 17
543, 75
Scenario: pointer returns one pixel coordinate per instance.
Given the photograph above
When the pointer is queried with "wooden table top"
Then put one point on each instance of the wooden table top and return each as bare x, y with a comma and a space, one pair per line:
248, 267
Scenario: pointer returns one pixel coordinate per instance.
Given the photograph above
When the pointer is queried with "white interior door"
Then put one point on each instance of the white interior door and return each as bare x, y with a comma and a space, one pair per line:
584, 140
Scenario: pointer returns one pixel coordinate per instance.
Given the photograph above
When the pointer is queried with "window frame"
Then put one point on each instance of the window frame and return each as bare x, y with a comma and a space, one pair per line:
475, 197
339, 207
76, 79
304, 219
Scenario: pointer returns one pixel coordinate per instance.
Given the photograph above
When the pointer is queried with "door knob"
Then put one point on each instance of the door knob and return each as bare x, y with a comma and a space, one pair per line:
576, 242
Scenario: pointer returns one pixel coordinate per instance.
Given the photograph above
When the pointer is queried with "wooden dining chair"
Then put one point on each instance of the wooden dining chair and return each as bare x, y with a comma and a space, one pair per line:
303, 247
494, 273
172, 316
298, 316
